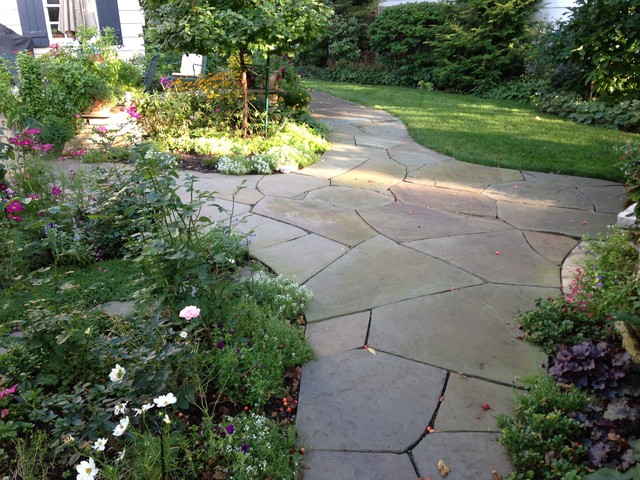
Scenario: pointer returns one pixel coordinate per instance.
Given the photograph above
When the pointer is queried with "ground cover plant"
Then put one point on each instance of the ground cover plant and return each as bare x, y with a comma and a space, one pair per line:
582, 419
491, 132
199, 380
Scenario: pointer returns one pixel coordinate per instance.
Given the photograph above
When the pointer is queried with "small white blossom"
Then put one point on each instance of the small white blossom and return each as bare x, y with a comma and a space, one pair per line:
120, 408
183, 334
120, 456
147, 406
166, 419
99, 444
117, 374
164, 400
136, 411
121, 427
87, 470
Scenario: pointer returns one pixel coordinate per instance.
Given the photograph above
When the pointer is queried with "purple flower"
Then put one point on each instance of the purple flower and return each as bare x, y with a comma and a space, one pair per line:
14, 207
9, 192
244, 448
56, 190
220, 344
230, 429
72, 173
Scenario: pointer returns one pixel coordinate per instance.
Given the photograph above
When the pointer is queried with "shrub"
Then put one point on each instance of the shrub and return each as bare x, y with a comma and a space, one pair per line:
542, 437
597, 367
399, 36
481, 43
624, 115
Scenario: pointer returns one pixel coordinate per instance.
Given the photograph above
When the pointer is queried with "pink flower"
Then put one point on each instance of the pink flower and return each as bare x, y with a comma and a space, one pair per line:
34, 196
102, 129
56, 190
4, 412
15, 218
189, 312
14, 206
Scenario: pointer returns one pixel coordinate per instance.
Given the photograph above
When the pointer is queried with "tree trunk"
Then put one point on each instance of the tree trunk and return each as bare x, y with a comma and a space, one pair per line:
245, 96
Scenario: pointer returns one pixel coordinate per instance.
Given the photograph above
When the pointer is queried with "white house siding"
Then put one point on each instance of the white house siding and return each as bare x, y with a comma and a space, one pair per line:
549, 10
131, 22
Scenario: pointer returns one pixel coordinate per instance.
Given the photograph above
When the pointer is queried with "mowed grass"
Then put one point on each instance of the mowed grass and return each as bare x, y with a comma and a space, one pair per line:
493, 132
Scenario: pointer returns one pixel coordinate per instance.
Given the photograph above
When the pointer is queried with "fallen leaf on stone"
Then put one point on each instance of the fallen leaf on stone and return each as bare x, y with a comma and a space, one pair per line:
371, 350
486, 406
444, 469
495, 475
497, 252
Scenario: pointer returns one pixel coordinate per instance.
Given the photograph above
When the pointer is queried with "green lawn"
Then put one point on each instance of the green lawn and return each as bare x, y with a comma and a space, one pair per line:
491, 132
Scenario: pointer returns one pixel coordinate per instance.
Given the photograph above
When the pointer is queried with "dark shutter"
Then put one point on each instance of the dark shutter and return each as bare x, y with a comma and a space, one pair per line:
33, 22
109, 16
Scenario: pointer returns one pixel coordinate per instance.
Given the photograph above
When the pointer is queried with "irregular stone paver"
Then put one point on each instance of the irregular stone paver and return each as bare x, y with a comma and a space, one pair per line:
609, 199
322, 465
378, 272
553, 247
565, 221
265, 231
499, 257
300, 258
340, 405
462, 409
375, 174
462, 176
228, 187
472, 331
289, 185
412, 154
338, 334
568, 180
387, 134
470, 456
351, 198
405, 223
571, 266
457, 201
220, 210
343, 226
548, 194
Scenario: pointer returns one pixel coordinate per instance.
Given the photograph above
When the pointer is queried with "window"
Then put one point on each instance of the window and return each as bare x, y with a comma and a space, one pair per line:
52, 9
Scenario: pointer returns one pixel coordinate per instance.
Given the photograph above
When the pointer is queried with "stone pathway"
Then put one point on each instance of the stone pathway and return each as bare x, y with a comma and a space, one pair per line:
428, 261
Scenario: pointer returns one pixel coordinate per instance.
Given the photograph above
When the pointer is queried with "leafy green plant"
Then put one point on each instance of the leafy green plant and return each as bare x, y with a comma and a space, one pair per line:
542, 437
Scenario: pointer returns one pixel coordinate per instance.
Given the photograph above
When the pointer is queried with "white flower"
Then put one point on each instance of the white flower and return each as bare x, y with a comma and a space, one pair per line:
117, 374
87, 470
164, 400
121, 427
99, 444
184, 334
120, 408
166, 419
189, 312
147, 406
137, 411
120, 456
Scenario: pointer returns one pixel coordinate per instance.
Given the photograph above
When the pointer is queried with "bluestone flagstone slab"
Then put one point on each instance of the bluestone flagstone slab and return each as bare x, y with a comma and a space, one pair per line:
473, 405
498, 257
265, 231
571, 181
564, 221
606, 198
378, 272
326, 465
375, 174
412, 154
392, 130
343, 226
469, 456
242, 188
549, 194
471, 330
289, 185
463, 176
457, 201
378, 142
340, 405
553, 247
406, 223
300, 258
351, 198
338, 334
